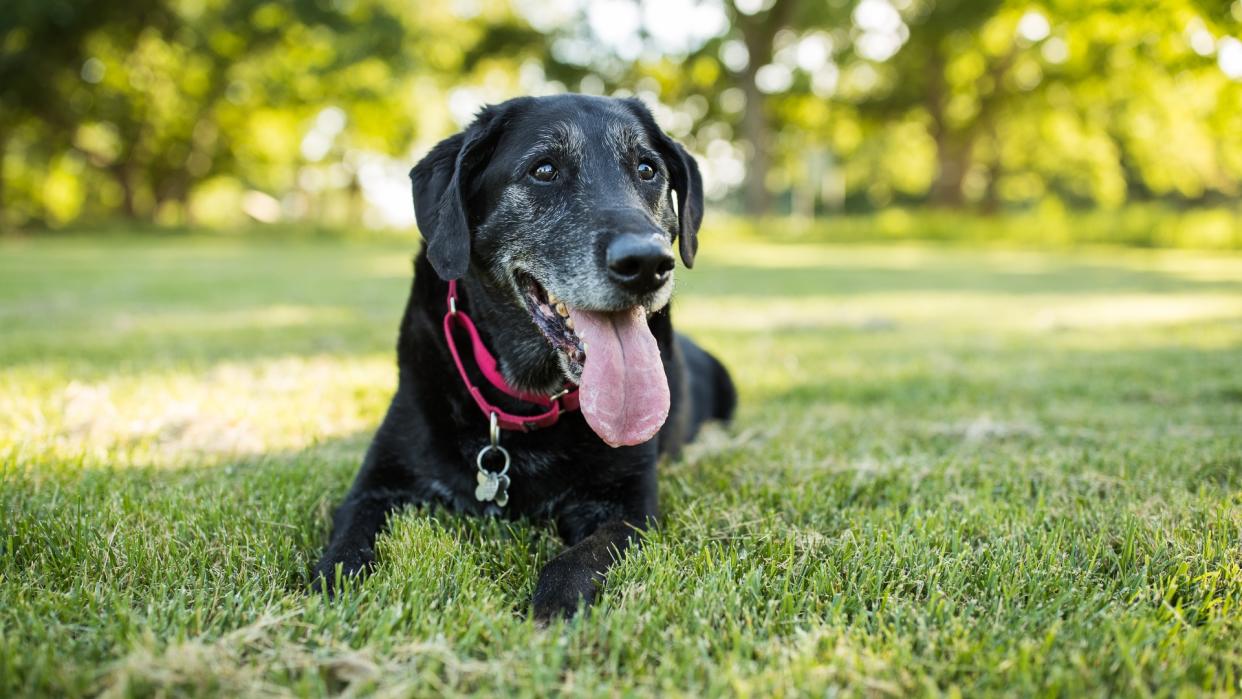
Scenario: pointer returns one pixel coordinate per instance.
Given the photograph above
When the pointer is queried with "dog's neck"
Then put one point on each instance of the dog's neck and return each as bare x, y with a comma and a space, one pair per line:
526, 359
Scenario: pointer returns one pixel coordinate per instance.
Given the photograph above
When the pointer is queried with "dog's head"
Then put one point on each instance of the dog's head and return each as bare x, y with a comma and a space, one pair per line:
572, 205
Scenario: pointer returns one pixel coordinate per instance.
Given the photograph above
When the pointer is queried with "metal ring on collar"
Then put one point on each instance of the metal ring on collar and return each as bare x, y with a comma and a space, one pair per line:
483, 452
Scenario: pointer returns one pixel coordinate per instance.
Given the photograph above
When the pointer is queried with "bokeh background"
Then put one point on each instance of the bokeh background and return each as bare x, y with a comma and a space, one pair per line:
974, 265
1034, 115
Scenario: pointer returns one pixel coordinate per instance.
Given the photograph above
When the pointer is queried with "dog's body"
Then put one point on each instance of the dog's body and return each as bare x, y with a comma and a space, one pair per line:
596, 236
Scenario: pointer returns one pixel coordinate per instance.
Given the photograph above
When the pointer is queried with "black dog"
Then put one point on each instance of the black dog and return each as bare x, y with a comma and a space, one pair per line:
555, 217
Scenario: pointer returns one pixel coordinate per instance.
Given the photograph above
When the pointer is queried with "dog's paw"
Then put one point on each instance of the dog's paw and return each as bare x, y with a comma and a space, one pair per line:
564, 587
335, 568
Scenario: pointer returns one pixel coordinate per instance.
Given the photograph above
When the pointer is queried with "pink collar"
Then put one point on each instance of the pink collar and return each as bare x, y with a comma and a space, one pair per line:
564, 401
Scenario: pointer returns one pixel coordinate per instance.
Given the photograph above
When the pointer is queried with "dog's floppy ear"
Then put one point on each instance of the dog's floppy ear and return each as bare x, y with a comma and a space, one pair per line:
684, 173
684, 177
441, 181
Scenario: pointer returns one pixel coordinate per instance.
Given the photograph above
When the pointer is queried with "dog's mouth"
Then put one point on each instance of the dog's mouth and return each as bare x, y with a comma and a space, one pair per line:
612, 356
551, 316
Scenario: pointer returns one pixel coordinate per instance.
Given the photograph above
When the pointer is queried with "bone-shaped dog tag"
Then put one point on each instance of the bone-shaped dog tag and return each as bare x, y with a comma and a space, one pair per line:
488, 485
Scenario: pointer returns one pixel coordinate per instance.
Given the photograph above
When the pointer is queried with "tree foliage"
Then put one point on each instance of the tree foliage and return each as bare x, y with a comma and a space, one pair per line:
178, 110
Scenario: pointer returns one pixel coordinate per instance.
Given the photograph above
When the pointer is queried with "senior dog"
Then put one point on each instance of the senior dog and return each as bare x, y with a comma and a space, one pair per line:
539, 372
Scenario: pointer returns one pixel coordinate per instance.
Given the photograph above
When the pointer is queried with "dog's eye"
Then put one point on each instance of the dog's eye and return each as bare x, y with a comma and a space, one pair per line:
646, 170
544, 172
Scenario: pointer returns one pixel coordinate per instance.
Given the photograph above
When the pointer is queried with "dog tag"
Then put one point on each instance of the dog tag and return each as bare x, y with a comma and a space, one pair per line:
488, 485
493, 487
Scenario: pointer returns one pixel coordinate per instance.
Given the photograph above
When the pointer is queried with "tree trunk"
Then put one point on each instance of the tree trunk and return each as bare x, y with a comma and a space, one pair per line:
990, 130
758, 33
174, 187
757, 132
952, 161
121, 172
183, 200
951, 155
991, 196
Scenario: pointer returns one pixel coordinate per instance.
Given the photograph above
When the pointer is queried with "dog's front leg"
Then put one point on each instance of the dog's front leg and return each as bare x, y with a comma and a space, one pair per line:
357, 522
572, 578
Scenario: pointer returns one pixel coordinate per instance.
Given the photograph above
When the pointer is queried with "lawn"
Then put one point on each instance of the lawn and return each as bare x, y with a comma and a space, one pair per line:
953, 470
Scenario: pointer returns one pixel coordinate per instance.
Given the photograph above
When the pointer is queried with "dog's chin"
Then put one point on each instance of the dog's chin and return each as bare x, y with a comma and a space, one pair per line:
571, 368
551, 316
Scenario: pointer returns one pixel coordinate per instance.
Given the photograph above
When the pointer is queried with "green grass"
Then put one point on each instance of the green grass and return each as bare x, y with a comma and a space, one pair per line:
1050, 225
985, 472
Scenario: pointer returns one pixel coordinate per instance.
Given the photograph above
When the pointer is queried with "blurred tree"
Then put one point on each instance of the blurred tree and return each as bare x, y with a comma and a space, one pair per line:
166, 96
758, 32
163, 109
739, 67
177, 103
42, 52
947, 72
1094, 101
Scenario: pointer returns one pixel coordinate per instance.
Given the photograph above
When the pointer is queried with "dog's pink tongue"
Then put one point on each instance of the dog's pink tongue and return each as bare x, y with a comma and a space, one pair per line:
623, 393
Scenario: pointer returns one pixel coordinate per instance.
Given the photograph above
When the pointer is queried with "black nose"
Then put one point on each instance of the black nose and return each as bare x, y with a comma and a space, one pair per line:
639, 263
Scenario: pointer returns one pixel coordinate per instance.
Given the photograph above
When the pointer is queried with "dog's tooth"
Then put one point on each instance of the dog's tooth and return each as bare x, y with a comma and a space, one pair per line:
569, 323
562, 310
551, 298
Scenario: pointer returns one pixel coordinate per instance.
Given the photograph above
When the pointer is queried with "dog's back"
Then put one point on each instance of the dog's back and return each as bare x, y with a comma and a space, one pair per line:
712, 393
